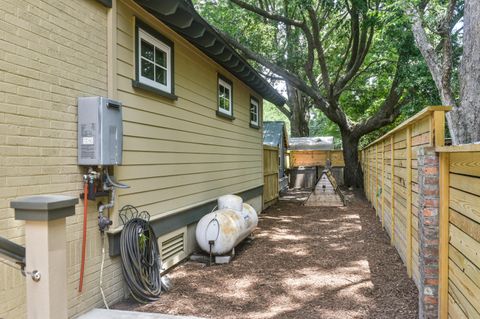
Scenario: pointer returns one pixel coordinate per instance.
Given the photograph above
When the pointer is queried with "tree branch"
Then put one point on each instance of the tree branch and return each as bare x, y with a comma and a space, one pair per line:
344, 59
424, 45
319, 48
431, 57
355, 32
447, 63
363, 48
340, 22
310, 58
289, 22
267, 14
347, 87
390, 108
270, 76
294, 79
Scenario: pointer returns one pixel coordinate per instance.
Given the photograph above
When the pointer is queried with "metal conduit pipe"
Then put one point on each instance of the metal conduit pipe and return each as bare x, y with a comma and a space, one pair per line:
110, 185
104, 222
109, 205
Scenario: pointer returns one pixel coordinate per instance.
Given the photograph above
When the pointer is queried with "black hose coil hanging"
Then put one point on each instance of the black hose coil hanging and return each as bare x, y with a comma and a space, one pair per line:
140, 256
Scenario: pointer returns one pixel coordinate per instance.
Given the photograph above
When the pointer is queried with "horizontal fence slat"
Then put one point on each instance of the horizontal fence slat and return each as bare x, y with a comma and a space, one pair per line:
465, 163
465, 203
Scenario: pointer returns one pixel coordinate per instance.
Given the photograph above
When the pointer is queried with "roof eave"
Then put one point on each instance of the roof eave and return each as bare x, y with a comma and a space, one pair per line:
183, 19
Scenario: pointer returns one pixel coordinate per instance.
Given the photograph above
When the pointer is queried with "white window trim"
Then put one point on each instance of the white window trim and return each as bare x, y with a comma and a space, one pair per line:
229, 87
255, 103
142, 34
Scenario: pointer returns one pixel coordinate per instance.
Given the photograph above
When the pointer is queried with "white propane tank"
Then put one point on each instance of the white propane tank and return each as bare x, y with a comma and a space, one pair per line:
230, 201
250, 216
225, 228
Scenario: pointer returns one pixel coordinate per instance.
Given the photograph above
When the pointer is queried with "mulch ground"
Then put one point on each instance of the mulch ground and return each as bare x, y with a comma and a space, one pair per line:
305, 262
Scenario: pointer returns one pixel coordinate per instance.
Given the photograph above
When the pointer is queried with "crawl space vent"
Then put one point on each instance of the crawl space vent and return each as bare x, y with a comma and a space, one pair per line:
172, 247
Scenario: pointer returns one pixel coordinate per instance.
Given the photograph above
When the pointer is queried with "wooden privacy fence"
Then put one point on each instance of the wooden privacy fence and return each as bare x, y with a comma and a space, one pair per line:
429, 203
459, 257
316, 158
391, 179
270, 175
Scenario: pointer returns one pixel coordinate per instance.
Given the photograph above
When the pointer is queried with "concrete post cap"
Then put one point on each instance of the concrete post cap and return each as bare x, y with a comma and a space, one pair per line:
44, 207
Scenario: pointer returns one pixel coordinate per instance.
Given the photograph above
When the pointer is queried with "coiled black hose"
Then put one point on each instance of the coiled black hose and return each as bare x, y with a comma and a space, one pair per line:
140, 260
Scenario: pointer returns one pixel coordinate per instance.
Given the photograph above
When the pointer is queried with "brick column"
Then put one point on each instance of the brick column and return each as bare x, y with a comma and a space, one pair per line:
428, 228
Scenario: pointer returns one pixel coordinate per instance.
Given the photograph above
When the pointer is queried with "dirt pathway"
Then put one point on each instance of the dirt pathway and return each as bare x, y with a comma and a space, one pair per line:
305, 262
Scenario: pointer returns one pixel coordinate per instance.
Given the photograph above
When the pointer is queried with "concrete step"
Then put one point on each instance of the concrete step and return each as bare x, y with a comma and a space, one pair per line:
120, 314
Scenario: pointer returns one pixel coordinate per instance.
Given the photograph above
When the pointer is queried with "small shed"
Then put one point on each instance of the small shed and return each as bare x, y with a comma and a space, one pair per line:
275, 134
308, 158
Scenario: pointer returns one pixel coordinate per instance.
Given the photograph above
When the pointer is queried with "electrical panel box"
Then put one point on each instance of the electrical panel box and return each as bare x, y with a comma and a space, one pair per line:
100, 131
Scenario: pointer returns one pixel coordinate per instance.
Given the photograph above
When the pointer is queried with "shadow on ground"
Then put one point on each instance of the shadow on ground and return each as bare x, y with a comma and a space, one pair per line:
305, 262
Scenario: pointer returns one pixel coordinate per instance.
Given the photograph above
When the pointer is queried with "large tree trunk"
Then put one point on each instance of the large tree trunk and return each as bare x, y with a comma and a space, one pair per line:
299, 113
299, 123
467, 116
353, 175
464, 120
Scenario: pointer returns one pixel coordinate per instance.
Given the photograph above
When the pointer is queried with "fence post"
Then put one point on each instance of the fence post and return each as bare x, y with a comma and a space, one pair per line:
46, 252
409, 201
392, 194
439, 127
428, 228
372, 196
370, 174
367, 169
363, 168
376, 179
444, 234
383, 183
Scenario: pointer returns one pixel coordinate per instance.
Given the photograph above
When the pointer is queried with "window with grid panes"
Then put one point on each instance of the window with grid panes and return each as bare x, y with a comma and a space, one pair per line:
154, 62
225, 104
254, 111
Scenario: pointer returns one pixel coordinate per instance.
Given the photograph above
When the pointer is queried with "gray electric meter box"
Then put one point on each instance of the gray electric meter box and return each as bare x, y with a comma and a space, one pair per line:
100, 131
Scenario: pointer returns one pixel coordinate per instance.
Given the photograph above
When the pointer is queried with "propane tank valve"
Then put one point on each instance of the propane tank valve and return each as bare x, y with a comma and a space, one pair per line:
210, 243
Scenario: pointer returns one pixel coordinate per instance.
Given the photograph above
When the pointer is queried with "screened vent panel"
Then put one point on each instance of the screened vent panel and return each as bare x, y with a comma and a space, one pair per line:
172, 247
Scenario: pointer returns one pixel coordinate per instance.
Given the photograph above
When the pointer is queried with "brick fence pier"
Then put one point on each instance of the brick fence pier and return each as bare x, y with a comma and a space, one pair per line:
428, 225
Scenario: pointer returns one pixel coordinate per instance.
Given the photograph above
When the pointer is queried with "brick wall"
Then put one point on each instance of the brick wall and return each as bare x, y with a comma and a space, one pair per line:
428, 226
51, 53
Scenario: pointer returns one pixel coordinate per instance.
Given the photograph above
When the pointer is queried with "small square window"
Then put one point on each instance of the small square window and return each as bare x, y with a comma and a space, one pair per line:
225, 103
254, 112
154, 60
